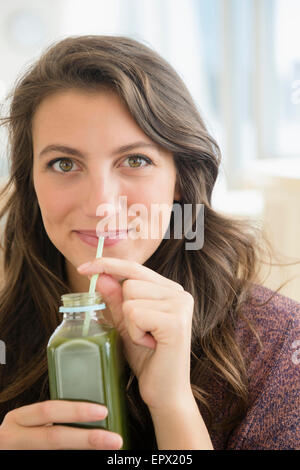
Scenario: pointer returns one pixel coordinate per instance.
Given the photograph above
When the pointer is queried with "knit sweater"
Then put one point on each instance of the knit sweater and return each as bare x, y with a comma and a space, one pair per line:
272, 420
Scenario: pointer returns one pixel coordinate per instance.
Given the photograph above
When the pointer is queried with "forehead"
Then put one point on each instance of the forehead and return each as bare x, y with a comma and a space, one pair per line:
74, 112
86, 119
72, 102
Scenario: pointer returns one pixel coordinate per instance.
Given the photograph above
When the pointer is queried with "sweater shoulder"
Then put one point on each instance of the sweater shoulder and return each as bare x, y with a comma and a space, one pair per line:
276, 320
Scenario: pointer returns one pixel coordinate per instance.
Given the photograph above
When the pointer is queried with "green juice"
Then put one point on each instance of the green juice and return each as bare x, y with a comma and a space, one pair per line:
89, 368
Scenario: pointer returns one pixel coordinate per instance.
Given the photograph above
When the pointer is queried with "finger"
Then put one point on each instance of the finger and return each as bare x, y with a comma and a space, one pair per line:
111, 292
52, 411
140, 323
127, 269
136, 289
68, 438
140, 304
165, 329
139, 336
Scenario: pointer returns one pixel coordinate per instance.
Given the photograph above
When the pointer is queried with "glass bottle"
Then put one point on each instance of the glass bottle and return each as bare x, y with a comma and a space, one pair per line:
88, 365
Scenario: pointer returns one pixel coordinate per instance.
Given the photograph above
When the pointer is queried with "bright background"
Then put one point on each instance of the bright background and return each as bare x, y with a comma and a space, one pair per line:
241, 62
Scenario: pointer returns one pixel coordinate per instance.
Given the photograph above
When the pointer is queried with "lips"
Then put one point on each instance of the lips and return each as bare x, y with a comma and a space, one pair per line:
90, 237
93, 233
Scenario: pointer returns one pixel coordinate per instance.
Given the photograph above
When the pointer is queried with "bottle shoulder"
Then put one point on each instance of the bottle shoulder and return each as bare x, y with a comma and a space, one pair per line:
74, 329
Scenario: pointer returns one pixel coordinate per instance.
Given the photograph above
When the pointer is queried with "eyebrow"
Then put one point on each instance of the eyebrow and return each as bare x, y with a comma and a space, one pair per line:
76, 153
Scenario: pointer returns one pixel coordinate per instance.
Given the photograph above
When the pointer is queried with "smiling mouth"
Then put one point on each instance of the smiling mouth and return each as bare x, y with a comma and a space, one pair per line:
113, 235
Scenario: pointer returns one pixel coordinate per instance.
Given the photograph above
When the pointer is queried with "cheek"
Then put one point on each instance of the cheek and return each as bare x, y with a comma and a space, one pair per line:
53, 205
156, 204
54, 211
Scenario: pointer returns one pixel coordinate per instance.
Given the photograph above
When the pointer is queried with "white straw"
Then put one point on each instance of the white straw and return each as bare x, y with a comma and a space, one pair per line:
93, 283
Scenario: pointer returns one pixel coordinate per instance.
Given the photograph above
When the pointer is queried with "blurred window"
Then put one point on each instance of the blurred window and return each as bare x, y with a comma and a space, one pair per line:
285, 60
240, 59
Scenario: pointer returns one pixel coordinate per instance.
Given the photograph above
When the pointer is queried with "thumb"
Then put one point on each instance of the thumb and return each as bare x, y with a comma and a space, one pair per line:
111, 292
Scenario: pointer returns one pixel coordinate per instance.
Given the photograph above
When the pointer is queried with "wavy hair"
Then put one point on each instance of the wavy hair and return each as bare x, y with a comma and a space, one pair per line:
219, 276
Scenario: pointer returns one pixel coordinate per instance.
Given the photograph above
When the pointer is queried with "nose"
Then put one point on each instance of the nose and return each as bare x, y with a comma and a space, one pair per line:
101, 197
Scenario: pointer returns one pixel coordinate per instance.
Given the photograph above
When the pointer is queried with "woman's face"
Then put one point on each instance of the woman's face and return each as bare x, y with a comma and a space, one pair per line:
96, 172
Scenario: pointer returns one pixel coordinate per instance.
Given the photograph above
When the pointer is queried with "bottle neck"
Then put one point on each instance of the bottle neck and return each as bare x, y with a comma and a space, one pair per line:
80, 316
77, 306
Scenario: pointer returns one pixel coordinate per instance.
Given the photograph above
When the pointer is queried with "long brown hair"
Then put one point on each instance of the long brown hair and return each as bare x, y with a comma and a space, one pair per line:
219, 276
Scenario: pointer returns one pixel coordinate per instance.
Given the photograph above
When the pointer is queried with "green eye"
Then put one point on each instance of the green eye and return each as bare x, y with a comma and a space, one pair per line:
66, 164
63, 163
136, 160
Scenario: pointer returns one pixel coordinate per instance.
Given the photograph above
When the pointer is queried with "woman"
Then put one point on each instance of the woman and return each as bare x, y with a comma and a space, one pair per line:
204, 357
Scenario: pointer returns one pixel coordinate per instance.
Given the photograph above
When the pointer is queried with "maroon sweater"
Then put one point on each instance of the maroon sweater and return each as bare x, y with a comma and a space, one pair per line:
272, 420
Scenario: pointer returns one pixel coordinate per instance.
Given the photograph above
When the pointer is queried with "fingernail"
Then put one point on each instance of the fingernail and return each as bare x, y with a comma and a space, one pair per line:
98, 411
84, 266
113, 440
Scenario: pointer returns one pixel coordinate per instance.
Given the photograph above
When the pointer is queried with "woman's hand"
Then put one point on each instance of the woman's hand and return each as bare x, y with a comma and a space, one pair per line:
153, 315
31, 427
